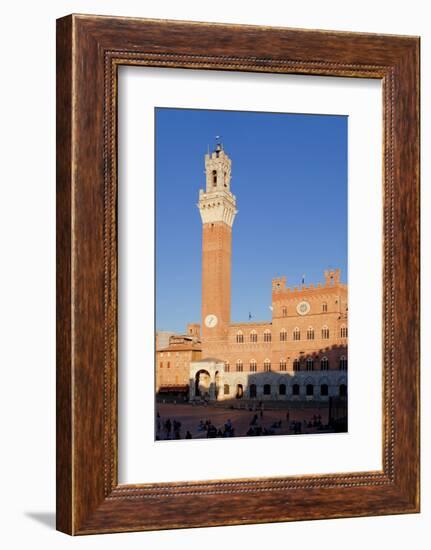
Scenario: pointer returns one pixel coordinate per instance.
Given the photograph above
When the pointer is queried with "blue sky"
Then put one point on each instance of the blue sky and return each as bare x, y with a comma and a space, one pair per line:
289, 175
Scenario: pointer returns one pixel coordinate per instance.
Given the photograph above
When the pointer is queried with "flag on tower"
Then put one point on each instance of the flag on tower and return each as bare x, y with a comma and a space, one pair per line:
303, 278
249, 315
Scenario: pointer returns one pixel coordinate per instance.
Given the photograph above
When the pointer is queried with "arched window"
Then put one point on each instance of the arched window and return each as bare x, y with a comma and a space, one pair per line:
226, 366
324, 363
239, 337
284, 311
267, 365
283, 364
267, 336
267, 389
214, 178
324, 389
282, 389
295, 389
310, 333
309, 390
253, 365
309, 363
343, 363
324, 307
253, 336
343, 390
283, 335
296, 365
252, 390
325, 332
226, 389
239, 366
343, 332
296, 334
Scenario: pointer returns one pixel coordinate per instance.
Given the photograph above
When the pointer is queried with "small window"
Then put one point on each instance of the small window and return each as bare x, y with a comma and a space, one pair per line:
169, 364
282, 364
239, 366
227, 366
161, 364
295, 389
253, 366
343, 390
310, 333
226, 389
267, 365
343, 363
283, 335
296, 365
284, 311
324, 389
253, 336
214, 178
309, 390
267, 336
282, 389
324, 307
239, 338
310, 363
325, 333
343, 332
267, 389
324, 363
252, 390
297, 334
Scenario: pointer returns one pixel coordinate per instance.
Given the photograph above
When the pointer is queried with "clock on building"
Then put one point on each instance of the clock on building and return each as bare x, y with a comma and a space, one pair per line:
303, 308
211, 320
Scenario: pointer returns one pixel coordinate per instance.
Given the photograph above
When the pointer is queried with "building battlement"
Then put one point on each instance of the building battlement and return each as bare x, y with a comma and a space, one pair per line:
332, 281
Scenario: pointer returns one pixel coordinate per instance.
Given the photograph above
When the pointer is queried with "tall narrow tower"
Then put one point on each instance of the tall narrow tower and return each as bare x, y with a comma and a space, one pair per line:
217, 206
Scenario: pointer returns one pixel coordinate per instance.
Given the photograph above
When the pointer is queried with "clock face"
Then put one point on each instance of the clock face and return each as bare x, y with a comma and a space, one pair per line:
303, 308
211, 320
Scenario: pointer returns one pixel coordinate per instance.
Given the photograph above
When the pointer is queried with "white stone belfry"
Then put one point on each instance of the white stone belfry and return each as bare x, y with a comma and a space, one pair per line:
217, 203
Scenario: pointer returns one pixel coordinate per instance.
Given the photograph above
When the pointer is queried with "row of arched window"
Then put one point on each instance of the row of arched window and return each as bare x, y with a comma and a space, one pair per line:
296, 335
310, 364
310, 390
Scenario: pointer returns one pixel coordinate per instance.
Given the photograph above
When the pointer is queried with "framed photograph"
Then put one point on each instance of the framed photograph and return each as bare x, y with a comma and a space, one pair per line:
237, 274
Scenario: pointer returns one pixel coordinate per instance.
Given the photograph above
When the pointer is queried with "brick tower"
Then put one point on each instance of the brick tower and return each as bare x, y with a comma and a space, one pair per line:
217, 206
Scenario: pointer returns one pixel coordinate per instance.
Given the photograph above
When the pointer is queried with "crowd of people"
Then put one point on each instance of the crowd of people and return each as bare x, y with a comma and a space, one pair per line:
172, 428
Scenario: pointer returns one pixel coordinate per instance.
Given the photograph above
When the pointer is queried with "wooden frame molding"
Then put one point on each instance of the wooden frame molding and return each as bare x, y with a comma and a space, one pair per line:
89, 51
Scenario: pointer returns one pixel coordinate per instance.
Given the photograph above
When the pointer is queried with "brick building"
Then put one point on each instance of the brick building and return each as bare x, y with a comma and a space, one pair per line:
173, 358
300, 354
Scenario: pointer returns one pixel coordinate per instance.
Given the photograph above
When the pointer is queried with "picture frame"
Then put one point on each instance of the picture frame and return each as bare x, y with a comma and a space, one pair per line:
89, 51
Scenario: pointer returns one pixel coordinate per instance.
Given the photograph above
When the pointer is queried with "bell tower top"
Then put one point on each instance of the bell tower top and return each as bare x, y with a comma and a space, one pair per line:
217, 203
218, 169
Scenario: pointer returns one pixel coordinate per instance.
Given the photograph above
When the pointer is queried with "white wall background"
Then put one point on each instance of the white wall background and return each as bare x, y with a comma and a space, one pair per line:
27, 289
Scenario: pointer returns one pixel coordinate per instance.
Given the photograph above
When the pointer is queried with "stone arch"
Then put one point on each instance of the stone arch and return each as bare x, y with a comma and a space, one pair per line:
202, 383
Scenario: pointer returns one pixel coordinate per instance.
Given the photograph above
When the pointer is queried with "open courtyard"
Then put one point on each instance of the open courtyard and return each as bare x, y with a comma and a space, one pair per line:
188, 421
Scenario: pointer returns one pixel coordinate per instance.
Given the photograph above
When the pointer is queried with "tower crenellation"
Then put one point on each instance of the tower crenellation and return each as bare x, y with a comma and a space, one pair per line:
216, 202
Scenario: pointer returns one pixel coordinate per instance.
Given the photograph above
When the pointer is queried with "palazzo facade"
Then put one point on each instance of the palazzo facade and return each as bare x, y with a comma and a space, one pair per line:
301, 354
